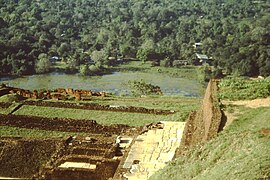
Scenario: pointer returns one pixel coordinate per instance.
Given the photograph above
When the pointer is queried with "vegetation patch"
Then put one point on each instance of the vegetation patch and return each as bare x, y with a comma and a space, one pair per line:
241, 88
9, 98
107, 118
139, 88
8, 131
188, 72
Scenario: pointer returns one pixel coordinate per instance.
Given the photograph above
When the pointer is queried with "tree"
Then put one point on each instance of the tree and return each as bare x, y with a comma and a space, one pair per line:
146, 49
84, 70
100, 58
63, 50
146, 29
71, 65
43, 64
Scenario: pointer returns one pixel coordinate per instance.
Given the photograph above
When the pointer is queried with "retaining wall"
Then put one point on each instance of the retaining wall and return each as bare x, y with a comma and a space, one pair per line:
205, 123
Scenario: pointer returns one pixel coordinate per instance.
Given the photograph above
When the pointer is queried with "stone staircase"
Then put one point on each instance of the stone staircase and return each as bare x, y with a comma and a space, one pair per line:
152, 150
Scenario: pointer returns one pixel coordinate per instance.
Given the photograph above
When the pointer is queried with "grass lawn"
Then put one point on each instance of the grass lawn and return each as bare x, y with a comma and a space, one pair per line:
182, 105
239, 152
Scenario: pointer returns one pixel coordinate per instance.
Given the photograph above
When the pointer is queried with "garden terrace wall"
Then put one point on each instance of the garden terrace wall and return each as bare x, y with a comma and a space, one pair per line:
205, 123
92, 106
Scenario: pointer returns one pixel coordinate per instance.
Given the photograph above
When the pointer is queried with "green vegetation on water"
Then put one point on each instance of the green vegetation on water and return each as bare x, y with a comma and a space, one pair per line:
241, 89
239, 152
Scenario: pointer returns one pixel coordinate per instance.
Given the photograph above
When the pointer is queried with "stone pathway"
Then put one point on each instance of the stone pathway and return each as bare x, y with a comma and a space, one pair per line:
152, 150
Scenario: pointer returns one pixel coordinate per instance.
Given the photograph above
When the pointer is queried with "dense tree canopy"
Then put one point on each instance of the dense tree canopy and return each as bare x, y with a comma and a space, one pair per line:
235, 33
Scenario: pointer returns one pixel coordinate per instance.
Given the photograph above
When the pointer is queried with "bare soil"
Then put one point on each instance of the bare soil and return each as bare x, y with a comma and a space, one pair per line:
66, 125
24, 157
255, 103
5, 105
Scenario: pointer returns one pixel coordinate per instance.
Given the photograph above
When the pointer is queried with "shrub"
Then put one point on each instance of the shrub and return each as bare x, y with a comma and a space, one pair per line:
143, 88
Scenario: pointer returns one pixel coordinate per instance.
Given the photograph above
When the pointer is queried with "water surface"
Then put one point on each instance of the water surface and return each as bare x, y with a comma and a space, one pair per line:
114, 83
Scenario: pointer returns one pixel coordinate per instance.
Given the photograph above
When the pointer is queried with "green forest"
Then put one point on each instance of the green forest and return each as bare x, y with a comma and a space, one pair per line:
236, 34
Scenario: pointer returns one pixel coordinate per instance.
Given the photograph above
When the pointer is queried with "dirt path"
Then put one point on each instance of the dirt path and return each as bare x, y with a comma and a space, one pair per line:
265, 102
230, 117
255, 103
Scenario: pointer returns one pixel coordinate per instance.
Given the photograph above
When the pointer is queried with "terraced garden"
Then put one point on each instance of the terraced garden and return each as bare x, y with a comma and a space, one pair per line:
102, 117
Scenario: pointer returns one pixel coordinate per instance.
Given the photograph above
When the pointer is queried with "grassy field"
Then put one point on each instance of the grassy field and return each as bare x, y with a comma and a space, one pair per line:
182, 106
239, 152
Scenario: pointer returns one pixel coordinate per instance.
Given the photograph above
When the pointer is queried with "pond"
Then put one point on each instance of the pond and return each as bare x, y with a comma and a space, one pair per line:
114, 83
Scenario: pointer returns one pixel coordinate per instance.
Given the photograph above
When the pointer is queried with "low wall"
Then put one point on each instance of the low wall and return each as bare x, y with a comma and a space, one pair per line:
205, 123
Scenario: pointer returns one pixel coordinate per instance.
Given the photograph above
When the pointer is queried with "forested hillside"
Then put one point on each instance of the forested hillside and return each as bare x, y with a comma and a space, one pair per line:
235, 33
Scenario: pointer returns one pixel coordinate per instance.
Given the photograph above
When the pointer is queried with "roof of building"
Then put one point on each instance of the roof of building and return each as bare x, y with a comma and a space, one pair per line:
202, 56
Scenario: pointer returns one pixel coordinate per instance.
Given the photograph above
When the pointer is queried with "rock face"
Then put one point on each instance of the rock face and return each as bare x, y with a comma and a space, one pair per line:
205, 123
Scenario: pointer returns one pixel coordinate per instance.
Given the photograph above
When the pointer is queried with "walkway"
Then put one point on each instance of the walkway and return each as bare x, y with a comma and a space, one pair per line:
152, 150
